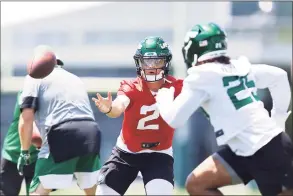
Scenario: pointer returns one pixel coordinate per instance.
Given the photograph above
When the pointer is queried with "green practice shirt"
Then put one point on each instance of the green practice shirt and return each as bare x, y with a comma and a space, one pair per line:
11, 146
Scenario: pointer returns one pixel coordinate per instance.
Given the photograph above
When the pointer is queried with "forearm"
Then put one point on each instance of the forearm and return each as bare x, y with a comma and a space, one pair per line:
115, 112
25, 133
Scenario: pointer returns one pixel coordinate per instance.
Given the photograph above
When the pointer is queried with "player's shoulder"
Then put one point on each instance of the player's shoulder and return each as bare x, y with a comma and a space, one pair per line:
202, 74
173, 81
131, 84
204, 69
28, 77
28, 80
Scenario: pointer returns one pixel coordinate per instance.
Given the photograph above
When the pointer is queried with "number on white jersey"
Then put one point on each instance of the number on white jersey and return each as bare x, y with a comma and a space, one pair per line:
244, 85
143, 110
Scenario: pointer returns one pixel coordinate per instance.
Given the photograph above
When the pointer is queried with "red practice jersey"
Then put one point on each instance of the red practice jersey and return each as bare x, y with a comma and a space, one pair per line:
142, 122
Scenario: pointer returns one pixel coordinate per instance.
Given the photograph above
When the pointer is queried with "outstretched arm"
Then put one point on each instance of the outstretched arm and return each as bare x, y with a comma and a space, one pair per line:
111, 109
177, 112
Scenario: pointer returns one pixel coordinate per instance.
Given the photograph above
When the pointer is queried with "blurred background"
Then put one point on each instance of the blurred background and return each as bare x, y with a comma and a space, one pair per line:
97, 41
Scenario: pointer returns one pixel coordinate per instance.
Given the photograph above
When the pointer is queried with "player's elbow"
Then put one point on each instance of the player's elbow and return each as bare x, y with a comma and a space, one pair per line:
281, 73
24, 123
281, 80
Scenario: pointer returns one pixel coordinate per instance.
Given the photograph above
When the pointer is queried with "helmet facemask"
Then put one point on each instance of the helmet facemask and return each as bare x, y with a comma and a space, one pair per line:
152, 59
152, 69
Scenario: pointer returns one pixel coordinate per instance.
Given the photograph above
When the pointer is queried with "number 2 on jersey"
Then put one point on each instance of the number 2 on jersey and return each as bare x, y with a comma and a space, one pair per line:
143, 110
243, 86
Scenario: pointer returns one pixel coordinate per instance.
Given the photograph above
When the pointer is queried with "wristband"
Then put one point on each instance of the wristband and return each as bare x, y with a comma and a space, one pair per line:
109, 110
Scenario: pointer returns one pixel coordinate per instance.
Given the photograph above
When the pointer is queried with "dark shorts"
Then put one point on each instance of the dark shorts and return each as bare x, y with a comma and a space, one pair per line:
122, 168
10, 180
271, 166
74, 138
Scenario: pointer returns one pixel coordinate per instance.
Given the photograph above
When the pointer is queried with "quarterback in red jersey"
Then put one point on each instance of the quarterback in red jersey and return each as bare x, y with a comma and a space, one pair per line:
145, 142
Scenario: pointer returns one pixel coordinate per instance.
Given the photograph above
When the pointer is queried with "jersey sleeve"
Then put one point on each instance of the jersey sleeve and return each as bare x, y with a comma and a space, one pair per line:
276, 80
126, 93
124, 100
201, 79
29, 95
185, 104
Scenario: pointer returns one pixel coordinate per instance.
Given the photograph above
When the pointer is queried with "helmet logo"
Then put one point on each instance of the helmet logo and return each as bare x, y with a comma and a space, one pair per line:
164, 45
150, 54
203, 43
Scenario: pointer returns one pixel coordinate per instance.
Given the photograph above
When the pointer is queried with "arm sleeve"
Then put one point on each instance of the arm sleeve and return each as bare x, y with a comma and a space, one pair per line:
125, 93
186, 103
124, 100
276, 80
29, 95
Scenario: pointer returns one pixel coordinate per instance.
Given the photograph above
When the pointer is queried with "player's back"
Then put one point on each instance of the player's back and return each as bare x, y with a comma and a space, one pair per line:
62, 96
233, 104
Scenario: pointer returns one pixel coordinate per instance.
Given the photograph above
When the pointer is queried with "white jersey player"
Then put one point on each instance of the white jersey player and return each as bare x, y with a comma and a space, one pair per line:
255, 145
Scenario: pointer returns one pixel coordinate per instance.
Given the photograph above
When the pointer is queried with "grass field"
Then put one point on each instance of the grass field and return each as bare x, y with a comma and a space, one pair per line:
137, 188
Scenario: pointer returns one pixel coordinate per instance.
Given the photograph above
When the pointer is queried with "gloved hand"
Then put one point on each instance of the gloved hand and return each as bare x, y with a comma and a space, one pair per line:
280, 118
24, 159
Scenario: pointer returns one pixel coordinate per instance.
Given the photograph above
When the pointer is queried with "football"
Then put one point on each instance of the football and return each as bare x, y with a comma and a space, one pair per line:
42, 63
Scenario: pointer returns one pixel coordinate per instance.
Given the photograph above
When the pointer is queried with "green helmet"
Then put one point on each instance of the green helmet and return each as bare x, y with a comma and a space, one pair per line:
203, 42
153, 54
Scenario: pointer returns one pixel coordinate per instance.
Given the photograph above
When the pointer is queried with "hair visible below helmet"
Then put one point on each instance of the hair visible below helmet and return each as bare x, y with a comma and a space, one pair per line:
60, 62
204, 42
153, 50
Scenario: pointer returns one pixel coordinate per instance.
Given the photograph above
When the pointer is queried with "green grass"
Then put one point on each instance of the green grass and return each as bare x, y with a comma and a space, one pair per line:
137, 189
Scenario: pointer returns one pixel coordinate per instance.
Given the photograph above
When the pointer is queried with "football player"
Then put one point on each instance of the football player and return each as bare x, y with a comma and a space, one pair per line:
255, 145
10, 179
61, 108
145, 141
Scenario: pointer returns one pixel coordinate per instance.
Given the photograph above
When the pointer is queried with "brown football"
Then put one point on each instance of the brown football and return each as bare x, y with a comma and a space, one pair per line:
42, 63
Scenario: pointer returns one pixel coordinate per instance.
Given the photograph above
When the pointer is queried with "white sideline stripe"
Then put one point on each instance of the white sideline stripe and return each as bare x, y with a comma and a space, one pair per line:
92, 84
